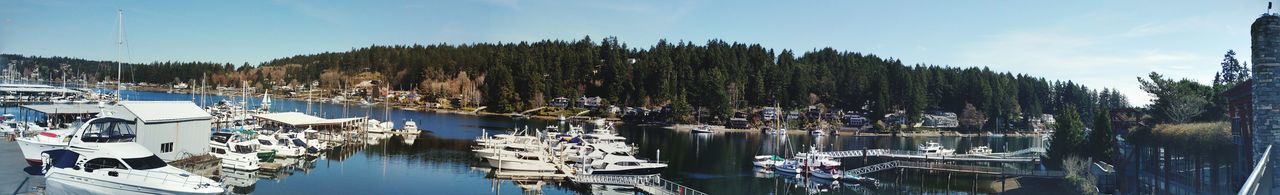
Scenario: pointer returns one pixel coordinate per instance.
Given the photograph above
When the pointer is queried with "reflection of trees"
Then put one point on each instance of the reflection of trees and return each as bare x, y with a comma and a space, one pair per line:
427, 148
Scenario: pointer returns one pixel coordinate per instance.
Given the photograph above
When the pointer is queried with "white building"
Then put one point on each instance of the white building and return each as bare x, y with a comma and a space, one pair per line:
170, 129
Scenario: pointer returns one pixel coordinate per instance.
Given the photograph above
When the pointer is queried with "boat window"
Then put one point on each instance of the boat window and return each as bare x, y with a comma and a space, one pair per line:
244, 149
109, 131
100, 163
145, 163
264, 142
627, 163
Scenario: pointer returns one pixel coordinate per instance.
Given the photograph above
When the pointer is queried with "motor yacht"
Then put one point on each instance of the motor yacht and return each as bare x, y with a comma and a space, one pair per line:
934, 148
980, 150
102, 158
703, 129
624, 165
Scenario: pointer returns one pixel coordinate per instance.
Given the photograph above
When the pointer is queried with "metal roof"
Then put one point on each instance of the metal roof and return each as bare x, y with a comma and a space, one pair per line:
300, 119
165, 111
52, 109
37, 90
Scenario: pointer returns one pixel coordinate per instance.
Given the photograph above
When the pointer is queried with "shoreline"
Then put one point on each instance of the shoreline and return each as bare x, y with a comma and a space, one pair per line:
677, 127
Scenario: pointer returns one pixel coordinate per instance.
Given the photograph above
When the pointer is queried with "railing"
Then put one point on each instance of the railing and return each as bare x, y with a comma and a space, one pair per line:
674, 188
1259, 179
647, 183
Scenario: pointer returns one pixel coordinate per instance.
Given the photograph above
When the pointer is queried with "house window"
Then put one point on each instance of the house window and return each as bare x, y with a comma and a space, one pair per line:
166, 147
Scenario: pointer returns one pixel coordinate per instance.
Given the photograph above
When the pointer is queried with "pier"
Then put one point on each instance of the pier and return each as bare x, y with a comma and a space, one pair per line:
956, 169
1007, 157
651, 184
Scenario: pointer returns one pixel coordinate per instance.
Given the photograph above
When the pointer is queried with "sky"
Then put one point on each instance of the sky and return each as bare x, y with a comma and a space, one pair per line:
1101, 44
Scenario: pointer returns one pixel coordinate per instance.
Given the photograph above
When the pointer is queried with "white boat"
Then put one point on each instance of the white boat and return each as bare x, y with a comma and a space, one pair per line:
980, 150
624, 165
818, 132
703, 129
831, 174
375, 126
766, 161
105, 160
522, 162
32, 146
410, 127
236, 151
281, 147
789, 166
934, 148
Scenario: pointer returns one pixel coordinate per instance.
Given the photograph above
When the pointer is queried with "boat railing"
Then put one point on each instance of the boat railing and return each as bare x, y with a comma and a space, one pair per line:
163, 177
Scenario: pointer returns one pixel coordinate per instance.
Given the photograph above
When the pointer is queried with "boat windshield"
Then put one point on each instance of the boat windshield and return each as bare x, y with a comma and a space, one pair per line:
145, 163
109, 130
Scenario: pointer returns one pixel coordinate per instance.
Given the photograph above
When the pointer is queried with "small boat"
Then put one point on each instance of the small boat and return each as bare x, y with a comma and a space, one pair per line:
522, 162
980, 150
766, 161
703, 129
818, 132
831, 174
934, 148
789, 166
410, 127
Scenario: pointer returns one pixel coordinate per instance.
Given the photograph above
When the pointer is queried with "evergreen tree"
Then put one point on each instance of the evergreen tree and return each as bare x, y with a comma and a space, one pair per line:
1068, 136
1102, 141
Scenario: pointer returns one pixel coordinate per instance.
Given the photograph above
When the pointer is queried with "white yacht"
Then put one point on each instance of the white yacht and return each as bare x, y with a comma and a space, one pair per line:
375, 126
522, 162
981, 150
281, 147
624, 165
410, 127
934, 148
703, 129
235, 151
103, 159
766, 161
32, 146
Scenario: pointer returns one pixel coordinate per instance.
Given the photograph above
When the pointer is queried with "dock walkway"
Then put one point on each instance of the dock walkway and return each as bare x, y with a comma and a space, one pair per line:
956, 168
651, 184
1013, 157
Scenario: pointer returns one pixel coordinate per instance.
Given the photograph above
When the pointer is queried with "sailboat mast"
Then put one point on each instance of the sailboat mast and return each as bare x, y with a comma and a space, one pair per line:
119, 53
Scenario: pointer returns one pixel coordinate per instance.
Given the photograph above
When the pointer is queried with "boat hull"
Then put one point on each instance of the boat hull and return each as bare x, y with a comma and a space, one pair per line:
31, 150
636, 171
521, 165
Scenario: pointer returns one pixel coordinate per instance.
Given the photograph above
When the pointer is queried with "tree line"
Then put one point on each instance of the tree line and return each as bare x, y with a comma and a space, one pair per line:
717, 78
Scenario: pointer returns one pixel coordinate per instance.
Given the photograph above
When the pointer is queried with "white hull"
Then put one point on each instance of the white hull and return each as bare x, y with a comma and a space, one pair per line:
247, 162
31, 149
59, 182
521, 165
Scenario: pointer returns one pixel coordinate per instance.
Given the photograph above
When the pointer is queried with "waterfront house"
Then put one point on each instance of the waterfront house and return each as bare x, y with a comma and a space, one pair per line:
561, 102
940, 120
769, 113
589, 102
853, 119
170, 129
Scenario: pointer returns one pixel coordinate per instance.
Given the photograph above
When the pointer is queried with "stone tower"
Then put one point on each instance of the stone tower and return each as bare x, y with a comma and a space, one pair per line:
1265, 35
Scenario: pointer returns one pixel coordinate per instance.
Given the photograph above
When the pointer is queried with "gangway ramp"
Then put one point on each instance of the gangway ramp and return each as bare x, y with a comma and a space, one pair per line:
652, 184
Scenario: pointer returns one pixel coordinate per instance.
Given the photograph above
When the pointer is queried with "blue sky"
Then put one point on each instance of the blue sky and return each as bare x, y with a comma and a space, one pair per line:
1097, 43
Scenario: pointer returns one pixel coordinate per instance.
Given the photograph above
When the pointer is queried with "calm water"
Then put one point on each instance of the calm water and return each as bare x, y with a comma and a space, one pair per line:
440, 162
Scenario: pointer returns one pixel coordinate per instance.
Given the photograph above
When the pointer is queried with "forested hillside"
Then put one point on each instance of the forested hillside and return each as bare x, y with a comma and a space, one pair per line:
719, 76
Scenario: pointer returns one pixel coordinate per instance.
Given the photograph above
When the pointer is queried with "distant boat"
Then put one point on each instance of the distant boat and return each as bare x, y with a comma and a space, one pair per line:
980, 150
934, 148
767, 161
703, 129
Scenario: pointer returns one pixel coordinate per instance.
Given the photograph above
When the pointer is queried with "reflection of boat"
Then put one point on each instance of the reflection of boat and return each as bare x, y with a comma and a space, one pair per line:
239, 181
980, 150
855, 178
105, 160
530, 186
934, 148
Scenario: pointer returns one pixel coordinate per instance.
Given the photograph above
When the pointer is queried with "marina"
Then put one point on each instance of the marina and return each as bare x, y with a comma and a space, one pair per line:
444, 149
